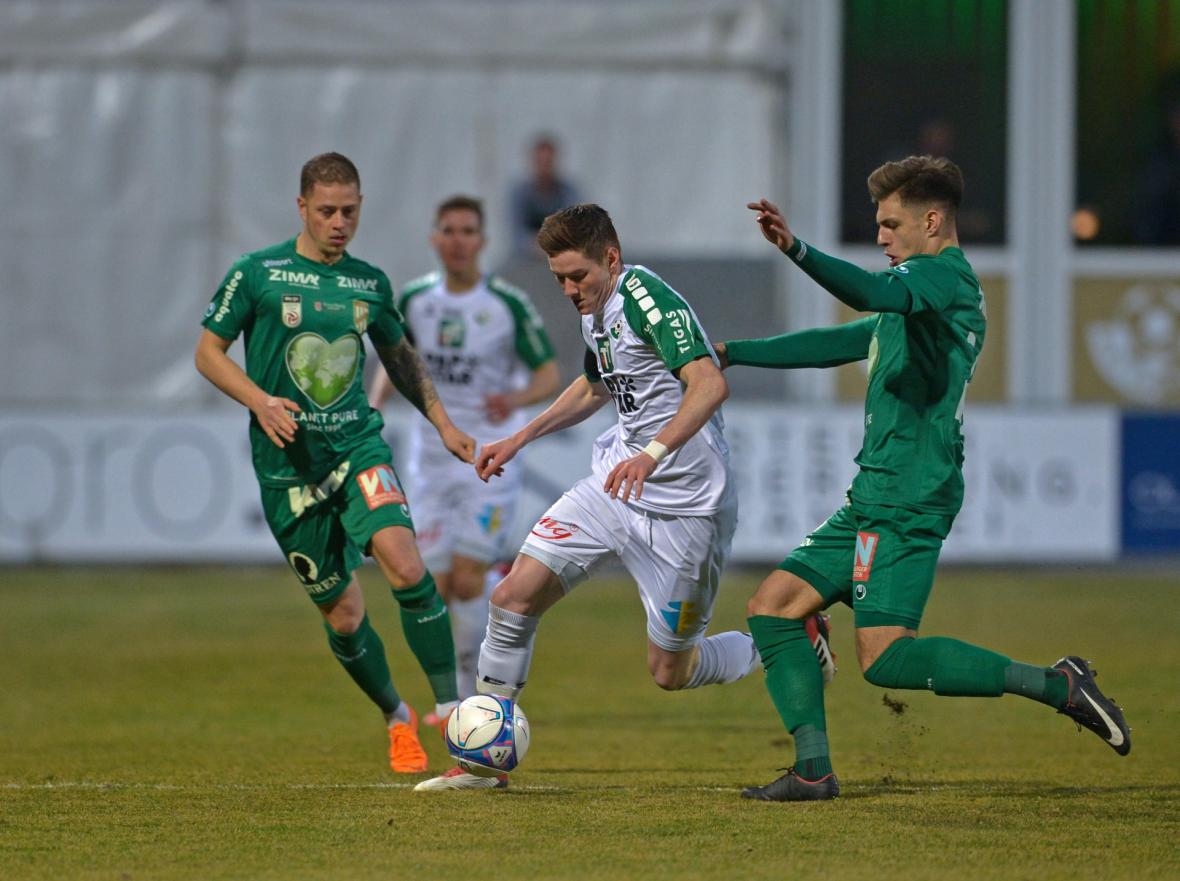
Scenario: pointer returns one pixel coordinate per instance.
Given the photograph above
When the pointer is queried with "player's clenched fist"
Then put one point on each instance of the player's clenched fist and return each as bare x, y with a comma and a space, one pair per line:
494, 456
460, 444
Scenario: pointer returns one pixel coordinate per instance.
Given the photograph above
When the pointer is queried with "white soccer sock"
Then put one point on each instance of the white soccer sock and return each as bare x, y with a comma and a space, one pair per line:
724, 657
506, 652
469, 622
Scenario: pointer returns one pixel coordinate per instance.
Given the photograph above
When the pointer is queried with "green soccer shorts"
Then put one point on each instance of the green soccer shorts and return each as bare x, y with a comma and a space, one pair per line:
878, 560
324, 529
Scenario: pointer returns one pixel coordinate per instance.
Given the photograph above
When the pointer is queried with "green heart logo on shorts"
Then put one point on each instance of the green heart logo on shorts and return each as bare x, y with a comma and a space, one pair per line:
323, 371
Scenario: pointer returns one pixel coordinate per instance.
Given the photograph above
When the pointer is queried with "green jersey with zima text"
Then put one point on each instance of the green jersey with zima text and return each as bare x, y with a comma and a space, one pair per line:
919, 366
645, 331
303, 323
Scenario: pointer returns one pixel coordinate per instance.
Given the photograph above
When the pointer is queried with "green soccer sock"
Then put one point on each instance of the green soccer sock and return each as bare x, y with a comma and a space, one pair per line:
362, 654
428, 631
796, 685
1042, 684
944, 666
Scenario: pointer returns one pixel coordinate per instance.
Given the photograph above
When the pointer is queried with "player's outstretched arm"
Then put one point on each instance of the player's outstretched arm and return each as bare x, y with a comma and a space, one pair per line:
273, 413
816, 347
862, 290
580, 400
409, 376
705, 389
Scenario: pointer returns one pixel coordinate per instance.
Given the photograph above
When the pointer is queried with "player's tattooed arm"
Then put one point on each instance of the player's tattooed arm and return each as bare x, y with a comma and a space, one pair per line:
408, 374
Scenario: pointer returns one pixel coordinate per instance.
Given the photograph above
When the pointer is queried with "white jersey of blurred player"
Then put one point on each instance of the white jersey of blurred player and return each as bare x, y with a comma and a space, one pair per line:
477, 344
488, 356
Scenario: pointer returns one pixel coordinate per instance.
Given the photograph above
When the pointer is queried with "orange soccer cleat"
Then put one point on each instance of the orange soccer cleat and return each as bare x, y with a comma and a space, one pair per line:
406, 755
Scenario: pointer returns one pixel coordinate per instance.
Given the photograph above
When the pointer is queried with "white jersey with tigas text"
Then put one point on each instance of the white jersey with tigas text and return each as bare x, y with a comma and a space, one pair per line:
476, 343
646, 331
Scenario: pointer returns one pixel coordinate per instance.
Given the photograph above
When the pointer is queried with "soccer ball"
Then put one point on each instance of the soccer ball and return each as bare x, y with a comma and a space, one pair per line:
488, 735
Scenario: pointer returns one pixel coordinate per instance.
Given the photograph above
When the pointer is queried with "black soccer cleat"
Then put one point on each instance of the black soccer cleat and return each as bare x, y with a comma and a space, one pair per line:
792, 787
1090, 708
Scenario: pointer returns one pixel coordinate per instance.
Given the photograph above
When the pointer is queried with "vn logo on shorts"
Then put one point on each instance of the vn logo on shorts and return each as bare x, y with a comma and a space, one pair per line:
866, 549
379, 487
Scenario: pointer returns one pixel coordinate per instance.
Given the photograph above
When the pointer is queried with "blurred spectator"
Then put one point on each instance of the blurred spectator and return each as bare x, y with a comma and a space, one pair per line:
1156, 213
539, 195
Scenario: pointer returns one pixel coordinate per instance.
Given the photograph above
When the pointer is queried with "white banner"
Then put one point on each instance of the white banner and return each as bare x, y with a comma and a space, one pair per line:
1040, 486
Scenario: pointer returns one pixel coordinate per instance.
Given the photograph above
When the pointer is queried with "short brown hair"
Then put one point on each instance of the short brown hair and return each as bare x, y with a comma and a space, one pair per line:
919, 180
459, 203
586, 228
327, 168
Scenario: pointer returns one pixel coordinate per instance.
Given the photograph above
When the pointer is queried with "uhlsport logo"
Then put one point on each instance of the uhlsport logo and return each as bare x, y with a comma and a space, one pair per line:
1137, 349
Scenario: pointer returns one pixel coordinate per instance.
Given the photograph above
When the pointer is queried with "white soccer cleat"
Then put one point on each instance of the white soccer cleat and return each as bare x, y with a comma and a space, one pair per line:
457, 778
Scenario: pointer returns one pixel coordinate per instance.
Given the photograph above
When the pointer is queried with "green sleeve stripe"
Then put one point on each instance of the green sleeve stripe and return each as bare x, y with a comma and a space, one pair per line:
416, 286
532, 343
659, 316
590, 367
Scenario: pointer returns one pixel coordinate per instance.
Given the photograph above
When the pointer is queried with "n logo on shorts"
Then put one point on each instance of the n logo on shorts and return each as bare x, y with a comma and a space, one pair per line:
379, 487
866, 549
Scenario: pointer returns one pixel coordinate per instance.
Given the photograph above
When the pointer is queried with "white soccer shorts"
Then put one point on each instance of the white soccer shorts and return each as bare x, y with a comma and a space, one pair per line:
455, 512
675, 561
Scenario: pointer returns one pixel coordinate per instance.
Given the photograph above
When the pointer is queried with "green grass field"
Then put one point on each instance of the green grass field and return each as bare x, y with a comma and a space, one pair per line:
190, 723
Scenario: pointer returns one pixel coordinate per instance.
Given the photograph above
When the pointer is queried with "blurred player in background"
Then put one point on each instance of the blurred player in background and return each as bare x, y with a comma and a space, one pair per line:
878, 552
488, 357
661, 496
329, 490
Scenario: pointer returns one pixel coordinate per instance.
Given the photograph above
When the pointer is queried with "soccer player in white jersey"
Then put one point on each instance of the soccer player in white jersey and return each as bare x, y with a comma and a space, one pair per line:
488, 356
661, 495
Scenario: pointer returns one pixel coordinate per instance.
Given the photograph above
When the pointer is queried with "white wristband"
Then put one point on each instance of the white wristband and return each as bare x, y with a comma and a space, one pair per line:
656, 450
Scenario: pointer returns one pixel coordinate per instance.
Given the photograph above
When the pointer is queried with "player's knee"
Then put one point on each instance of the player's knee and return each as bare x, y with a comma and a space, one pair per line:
670, 680
344, 619
880, 664
403, 572
757, 605
515, 595
668, 674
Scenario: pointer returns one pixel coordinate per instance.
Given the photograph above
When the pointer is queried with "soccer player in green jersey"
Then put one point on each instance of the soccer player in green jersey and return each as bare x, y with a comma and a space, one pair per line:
329, 490
878, 552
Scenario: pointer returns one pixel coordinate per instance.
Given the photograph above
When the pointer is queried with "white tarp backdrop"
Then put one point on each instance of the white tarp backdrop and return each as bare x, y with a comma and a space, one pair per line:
146, 144
1040, 486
